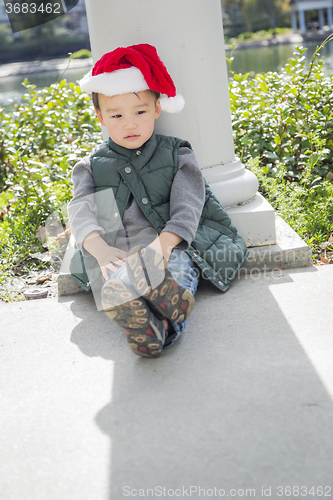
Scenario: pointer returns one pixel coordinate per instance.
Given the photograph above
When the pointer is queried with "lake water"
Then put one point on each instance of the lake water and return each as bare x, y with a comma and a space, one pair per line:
254, 60
11, 88
273, 58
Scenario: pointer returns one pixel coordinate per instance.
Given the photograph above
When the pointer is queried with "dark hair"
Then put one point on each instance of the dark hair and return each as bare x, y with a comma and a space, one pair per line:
157, 95
94, 97
95, 101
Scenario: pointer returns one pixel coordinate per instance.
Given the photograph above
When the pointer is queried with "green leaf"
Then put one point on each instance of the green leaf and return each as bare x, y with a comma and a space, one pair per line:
313, 158
264, 87
269, 154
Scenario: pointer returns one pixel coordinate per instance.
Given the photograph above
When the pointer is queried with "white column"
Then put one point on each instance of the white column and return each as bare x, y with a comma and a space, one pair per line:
321, 19
188, 36
330, 17
301, 18
294, 21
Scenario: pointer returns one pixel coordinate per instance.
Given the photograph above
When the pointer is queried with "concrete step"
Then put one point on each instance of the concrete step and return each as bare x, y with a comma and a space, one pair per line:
289, 252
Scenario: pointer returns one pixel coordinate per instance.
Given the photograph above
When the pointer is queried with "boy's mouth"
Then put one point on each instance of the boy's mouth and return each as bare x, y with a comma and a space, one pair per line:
131, 137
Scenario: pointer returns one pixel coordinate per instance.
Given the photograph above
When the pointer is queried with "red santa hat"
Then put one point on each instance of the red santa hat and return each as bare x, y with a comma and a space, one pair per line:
133, 69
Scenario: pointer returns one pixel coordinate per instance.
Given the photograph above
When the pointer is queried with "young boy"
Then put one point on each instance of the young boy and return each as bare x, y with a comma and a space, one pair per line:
142, 214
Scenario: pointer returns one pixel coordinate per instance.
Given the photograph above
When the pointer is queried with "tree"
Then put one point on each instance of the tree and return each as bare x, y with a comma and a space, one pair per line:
249, 10
273, 9
253, 15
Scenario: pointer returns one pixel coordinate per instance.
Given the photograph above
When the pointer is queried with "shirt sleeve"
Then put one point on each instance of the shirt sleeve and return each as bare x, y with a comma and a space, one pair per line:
187, 198
82, 210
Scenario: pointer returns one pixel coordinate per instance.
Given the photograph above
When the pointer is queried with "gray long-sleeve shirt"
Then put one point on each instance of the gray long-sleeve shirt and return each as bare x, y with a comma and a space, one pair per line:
186, 202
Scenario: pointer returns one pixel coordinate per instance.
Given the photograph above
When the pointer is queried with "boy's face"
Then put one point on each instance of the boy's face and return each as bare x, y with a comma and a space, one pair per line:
129, 118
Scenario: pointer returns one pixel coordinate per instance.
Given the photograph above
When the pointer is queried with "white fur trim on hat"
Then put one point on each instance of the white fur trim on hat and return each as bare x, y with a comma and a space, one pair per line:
118, 82
123, 81
172, 104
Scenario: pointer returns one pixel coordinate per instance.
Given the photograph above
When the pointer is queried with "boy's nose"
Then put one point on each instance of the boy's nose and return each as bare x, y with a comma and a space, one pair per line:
130, 124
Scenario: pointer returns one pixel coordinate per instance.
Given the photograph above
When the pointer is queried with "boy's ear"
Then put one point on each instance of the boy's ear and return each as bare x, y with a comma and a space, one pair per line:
100, 117
157, 109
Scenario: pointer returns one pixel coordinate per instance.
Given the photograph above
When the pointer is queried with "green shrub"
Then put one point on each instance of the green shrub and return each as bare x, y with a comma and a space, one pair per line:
258, 35
81, 54
285, 119
246, 35
308, 210
41, 139
283, 125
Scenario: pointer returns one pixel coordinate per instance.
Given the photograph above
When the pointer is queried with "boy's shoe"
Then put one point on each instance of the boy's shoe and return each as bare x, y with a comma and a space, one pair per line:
145, 333
152, 279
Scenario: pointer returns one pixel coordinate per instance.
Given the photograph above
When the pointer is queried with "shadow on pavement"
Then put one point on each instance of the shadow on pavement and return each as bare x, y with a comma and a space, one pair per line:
235, 405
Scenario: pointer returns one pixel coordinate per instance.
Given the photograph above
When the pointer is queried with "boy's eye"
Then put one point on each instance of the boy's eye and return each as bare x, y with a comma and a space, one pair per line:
141, 112
116, 116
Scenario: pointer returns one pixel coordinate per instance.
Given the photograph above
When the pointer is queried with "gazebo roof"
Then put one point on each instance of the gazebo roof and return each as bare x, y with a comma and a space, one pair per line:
312, 4
307, 1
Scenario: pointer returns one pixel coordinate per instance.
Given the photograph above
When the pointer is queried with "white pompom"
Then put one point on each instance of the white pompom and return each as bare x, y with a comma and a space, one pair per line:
172, 104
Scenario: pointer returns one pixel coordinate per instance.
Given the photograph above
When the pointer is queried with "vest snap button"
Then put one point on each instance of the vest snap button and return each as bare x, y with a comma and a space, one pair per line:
144, 201
138, 152
116, 214
220, 283
128, 170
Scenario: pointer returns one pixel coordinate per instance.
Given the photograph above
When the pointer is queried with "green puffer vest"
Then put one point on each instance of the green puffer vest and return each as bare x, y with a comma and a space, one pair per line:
147, 173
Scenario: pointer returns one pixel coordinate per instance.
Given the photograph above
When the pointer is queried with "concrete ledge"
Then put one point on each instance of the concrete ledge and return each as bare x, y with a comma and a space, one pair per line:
289, 252
67, 286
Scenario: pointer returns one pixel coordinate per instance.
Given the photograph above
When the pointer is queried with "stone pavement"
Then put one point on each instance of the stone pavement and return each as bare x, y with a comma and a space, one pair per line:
242, 402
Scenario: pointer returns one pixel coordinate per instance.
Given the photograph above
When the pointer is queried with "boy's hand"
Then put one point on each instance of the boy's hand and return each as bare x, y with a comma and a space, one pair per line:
165, 243
105, 255
111, 256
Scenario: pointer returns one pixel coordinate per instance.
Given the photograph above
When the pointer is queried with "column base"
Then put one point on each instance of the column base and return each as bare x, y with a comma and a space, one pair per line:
231, 182
289, 252
255, 221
